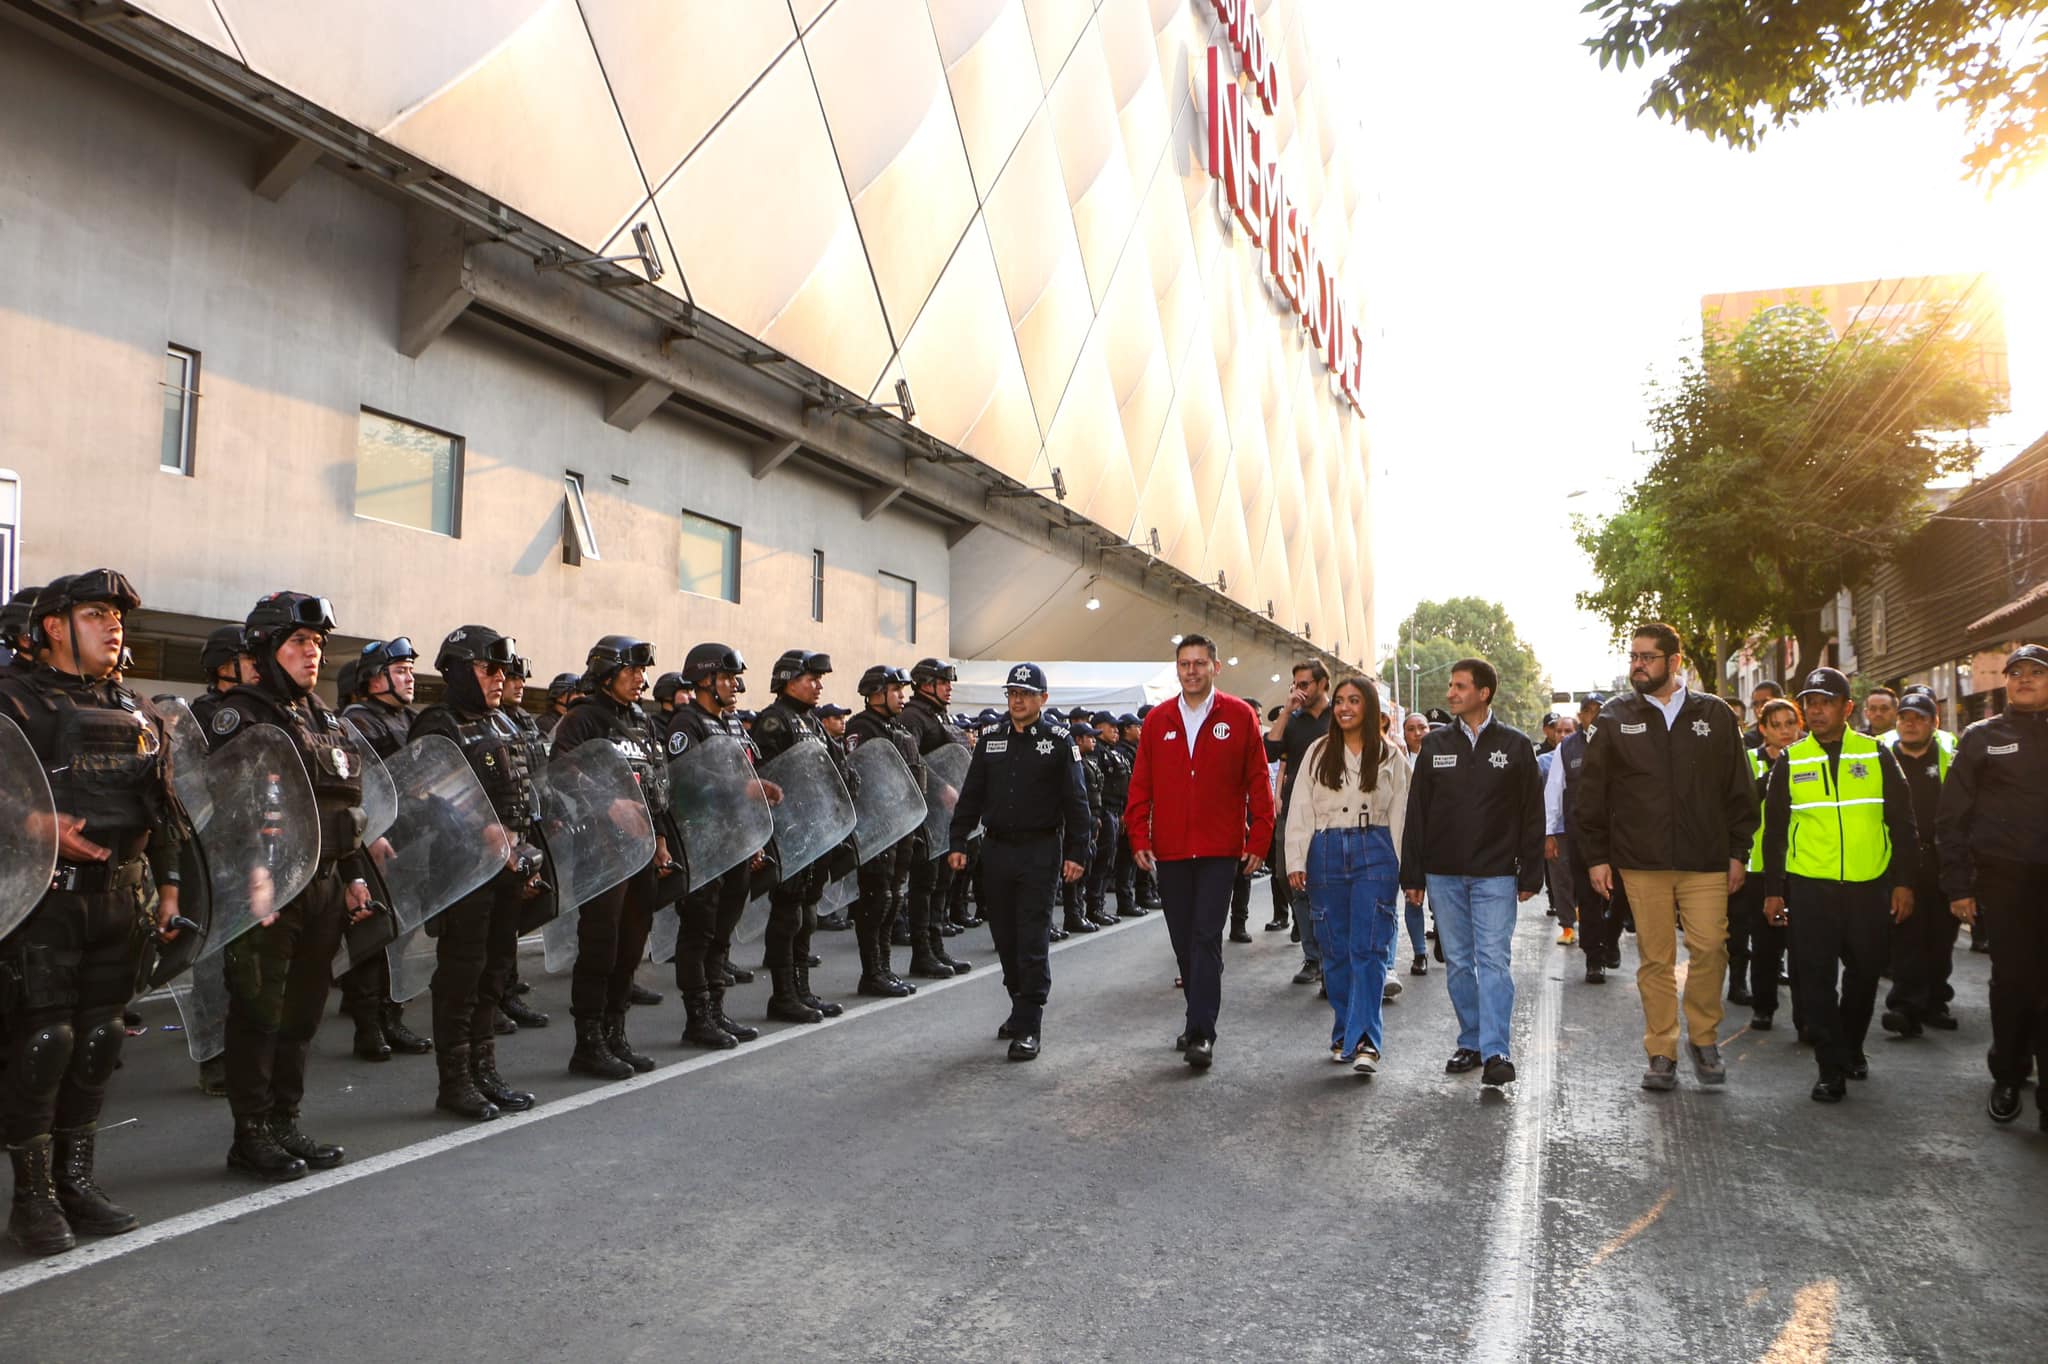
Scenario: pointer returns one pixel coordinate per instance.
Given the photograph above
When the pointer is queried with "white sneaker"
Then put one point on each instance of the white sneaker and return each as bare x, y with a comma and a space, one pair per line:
1337, 1053
1391, 991
1367, 1061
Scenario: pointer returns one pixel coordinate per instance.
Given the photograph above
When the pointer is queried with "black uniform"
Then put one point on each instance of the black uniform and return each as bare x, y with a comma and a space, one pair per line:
1600, 920
931, 878
883, 893
1992, 832
1116, 790
1073, 894
1923, 947
366, 989
1136, 891
1025, 787
278, 974
709, 914
793, 903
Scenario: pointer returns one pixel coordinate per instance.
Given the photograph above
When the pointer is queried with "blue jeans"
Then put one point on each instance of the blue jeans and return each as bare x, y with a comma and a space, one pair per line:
1413, 913
1352, 885
1475, 922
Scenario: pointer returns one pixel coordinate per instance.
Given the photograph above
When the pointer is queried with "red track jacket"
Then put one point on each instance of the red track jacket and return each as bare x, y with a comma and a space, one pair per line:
1219, 803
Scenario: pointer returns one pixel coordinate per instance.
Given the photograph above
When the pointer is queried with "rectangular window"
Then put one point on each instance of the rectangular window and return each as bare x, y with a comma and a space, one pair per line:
579, 537
408, 475
181, 409
710, 557
896, 613
817, 584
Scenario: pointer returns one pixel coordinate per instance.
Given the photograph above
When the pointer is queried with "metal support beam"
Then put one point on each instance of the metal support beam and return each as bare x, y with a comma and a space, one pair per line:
873, 504
281, 163
774, 457
628, 402
439, 286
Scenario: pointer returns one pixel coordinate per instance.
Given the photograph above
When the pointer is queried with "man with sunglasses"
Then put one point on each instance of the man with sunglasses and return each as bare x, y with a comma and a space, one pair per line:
68, 970
278, 973
384, 717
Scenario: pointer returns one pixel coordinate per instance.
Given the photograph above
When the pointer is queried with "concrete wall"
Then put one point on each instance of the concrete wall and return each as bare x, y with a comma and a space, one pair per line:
135, 227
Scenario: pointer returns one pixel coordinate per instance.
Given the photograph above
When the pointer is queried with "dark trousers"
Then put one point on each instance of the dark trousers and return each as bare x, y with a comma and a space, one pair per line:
1196, 893
366, 986
735, 888
2017, 895
1600, 920
792, 917
1761, 945
1240, 900
277, 990
1840, 933
1102, 867
473, 960
881, 899
611, 937
931, 879
1125, 877
1923, 948
697, 938
72, 966
1019, 881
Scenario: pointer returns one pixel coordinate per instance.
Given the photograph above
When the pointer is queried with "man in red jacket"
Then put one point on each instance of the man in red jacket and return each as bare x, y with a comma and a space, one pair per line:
1200, 802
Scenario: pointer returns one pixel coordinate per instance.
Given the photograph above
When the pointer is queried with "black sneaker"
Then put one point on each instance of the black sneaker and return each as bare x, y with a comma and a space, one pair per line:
1760, 1022
1419, 966
1614, 958
1499, 1071
2004, 1104
1594, 975
1830, 1089
1462, 1060
1278, 924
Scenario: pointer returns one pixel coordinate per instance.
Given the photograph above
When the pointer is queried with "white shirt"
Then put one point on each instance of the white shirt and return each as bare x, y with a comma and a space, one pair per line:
1668, 708
1471, 733
1553, 794
1191, 720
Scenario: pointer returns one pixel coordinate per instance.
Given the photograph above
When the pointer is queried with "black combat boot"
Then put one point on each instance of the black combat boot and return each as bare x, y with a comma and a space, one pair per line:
785, 1003
884, 949
522, 1013
371, 1044
37, 1222
945, 958
256, 1151
734, 975
923, 963
803, 992
318, 1155
641, 995
483, 1069
592, 1056
213, 1077
875, 977
615, 1042
835, 922
700, 1025
459, 1094
401, 1037
740, 1031
86, 1206
899, 930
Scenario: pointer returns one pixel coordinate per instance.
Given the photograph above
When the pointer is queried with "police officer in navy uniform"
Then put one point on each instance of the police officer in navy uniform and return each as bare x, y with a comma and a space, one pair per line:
384, 717
1923, 947
1075, 918
611, 930
798, 681
1992, 833
277, 974
1024, 787
69, 969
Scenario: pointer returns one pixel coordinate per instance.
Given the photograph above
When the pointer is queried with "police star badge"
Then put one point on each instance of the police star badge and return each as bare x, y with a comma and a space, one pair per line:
1045, 746
1702, 728
1859, 769
1497, 758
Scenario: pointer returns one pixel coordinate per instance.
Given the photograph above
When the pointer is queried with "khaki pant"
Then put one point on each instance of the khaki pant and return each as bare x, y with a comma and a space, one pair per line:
1663, 901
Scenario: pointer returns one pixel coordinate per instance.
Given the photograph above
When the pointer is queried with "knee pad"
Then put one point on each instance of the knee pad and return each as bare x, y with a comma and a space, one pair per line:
44, 1055
96, 1052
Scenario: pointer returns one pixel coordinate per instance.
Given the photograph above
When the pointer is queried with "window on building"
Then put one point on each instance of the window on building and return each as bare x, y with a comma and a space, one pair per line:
710, 557
408, 475
579, 537
181, 409
896, 615
817, 584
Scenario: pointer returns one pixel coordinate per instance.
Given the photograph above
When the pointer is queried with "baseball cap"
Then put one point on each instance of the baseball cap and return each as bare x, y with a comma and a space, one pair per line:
1025, 677
1826, 682
2027, 653
1919, 703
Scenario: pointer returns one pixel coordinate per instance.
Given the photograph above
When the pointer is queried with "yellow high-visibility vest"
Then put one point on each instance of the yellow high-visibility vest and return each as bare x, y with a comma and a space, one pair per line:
1837, 831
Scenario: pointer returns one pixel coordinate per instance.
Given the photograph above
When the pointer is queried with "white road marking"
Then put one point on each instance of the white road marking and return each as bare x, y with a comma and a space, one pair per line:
98, 1252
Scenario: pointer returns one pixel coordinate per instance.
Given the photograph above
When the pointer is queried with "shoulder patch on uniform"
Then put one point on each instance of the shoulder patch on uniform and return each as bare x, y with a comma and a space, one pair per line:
678, 741
226, 720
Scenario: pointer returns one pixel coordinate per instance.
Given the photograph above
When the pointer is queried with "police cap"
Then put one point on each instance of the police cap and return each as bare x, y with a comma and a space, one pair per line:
1920, 703
1825, 682
1025, 677
2027, 653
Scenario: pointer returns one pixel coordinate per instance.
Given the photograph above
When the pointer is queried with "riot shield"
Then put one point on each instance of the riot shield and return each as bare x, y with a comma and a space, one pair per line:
380, 787
945, 774
815, 815
262, 834
753, 920
202, 1000
598, 832
716, 799
28, 829
661, 937
889, 807
185, 745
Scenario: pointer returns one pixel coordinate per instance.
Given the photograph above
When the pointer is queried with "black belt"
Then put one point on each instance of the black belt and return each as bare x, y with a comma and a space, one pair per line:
1020, 835
90, 878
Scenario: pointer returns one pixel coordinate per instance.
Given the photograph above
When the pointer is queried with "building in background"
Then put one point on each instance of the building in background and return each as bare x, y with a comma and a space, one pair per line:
876, 326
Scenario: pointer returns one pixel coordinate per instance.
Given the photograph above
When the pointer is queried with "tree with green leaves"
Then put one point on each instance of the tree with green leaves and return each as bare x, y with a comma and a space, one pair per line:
1788, 462
1469, 627
1738, 67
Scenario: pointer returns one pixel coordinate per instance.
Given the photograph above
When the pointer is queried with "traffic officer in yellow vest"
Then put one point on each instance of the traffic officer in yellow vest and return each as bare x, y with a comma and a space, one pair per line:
1841, 851
1923, 947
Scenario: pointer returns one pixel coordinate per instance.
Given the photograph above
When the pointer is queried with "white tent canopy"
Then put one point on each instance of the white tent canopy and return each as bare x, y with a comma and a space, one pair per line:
1120, 686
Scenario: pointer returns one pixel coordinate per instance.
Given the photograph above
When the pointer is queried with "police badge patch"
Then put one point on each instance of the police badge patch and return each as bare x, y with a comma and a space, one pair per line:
677, 742
1859, 769
226, 720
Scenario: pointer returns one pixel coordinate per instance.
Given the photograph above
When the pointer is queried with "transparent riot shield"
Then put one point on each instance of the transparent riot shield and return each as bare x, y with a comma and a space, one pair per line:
717, 802
598, 833
890, 807
661, 938
202, 1000
28, 829
185, 746
380, 788
816, 813
262, 833
753, 920
945, 773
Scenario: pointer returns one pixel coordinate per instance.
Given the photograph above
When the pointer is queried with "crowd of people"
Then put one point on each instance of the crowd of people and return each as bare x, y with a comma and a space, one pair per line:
1849, 854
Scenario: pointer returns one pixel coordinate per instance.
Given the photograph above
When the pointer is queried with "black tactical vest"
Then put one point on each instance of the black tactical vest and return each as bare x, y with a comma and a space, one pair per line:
331, 759
505, 756
641, 744
386, 729
107, 768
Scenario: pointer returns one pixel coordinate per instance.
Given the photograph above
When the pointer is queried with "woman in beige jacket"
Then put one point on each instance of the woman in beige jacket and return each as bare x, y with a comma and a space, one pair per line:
1343, 827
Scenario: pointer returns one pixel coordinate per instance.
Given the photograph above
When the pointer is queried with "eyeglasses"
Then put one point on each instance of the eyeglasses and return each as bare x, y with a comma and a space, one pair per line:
1646, 658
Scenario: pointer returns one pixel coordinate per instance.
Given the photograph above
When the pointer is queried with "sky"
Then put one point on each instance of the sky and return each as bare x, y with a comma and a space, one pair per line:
1535, 249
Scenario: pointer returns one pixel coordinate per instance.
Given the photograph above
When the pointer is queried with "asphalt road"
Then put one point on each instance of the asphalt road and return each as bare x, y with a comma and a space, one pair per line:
888, 1187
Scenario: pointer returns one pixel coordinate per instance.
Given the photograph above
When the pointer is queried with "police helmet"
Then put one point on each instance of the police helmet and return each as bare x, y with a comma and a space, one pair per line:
705, 661
380, 654
929, 670
873, 680
614, 652
474, 644
563, 685
15, 617
60, 595
520, 668
222, 647
794, 664
666, 686
347, 683
276, 617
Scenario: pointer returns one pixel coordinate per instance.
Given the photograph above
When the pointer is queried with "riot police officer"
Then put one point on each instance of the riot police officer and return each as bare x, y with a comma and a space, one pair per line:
384, 717
881, 875
479, 934
1116, 789
924, 714
708, 915
514, 1012
226, 665
1073, 893
611, 930
1024, 786
278, 974
798, 680
559, 692
72, 965
667, 693
17, 652
1135, 895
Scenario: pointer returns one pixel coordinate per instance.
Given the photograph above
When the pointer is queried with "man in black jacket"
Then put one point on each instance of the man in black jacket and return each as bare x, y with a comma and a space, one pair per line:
1668, 798
1474, 840
1992, 832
